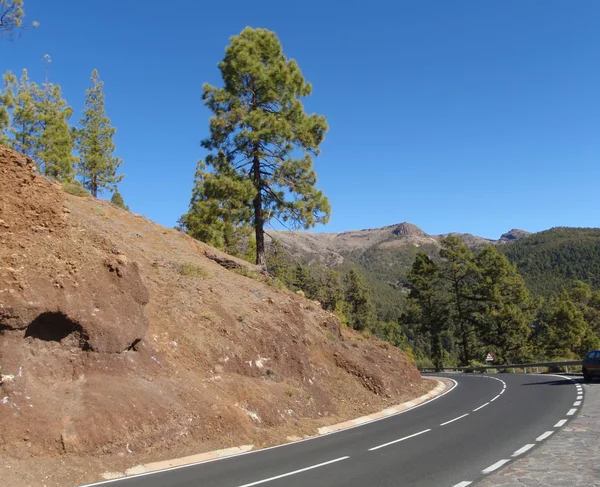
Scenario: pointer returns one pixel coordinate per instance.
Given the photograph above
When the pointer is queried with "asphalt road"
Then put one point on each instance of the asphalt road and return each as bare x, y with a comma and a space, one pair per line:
451, 441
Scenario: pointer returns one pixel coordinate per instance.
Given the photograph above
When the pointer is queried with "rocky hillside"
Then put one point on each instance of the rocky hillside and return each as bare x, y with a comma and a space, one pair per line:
331, 249
123, 342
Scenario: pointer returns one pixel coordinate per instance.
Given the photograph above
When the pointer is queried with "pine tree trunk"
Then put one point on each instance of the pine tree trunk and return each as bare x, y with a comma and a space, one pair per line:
259, 223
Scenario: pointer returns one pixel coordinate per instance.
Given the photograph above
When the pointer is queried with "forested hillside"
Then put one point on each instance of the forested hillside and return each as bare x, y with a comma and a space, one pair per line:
550, 260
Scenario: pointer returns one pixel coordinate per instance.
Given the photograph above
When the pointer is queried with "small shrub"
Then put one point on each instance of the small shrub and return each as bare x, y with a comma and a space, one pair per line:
117, 200
99, 211
300, 293
207, 315
242, 271
275, 282
193, 270
75, 188
424, 363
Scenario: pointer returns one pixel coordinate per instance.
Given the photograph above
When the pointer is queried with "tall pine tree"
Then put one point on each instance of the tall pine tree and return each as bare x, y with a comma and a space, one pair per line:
427, 300
359, 311
26, 126
506, 308
7, 103
460, 273
95, 145
260, 131
54, 153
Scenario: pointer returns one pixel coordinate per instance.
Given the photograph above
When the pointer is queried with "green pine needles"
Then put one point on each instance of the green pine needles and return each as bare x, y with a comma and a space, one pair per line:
95, 144
260, 147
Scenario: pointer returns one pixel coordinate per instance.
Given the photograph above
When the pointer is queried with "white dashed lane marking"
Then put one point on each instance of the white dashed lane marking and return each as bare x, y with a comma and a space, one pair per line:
398, 441
495, 466
544, 436
455, 419
520, 451
560, 424
571, 412
481, 407
462, 484
294, 472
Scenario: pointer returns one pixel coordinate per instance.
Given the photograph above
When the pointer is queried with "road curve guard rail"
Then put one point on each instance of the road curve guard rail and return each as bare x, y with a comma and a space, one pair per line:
483, 368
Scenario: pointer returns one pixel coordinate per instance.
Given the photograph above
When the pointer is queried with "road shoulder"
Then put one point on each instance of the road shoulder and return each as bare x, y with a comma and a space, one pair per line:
443, 386
570, 458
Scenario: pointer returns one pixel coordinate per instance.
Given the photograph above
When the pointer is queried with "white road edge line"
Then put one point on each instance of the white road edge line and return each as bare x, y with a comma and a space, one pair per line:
283, 445
577, 403
560, 424
492, 400
495, 466
481, 407
452, 420
462, 484
579, 398
294, 472
571, 412
544, 436
396, 441
520, 451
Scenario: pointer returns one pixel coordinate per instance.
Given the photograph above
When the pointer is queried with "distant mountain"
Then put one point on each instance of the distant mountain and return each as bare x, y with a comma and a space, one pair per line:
383, 255
549, 260
331, 249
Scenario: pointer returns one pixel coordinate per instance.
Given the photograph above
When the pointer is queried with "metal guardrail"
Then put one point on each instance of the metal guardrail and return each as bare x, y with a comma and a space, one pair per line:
483, 368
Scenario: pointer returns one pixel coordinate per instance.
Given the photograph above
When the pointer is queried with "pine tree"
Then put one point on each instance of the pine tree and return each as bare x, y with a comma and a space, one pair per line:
429, 301
219, 208
117, 200
502, 322
260, 131
55, 150
360, 311
566, 329
460, 273
26, 125
7, 103
95, 145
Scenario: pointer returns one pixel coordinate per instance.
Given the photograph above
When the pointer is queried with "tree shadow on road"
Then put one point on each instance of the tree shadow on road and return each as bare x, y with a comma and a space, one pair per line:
555, 382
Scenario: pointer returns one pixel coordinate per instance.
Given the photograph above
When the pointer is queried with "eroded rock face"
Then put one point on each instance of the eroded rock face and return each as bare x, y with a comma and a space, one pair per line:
103, 313
56, 282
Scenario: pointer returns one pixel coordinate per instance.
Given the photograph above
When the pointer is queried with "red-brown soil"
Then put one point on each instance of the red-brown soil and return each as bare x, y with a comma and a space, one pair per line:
121, 342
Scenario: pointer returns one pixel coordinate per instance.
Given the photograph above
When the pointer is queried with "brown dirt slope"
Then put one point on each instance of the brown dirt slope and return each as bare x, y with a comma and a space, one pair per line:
122, 342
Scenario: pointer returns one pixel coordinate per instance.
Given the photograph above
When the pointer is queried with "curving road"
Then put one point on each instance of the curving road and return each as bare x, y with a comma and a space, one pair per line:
480, 425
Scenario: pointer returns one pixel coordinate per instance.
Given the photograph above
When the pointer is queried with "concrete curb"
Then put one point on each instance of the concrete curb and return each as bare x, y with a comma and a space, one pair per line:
443, 385
436, 391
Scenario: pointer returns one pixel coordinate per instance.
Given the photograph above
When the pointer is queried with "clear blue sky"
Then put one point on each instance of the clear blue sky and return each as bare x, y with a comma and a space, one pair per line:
470, 116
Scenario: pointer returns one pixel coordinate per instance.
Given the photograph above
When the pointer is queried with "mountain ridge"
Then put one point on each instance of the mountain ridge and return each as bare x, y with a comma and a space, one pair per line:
332, 248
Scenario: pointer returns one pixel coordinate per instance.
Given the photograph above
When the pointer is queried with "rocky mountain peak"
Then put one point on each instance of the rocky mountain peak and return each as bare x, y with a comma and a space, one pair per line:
406, 229
515, 234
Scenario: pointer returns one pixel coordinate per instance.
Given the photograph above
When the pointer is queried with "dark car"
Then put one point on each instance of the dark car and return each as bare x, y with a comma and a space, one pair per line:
591, 365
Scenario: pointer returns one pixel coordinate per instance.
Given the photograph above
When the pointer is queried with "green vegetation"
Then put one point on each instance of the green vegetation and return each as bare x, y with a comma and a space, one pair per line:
549, 261
97, 166
470, 304
192, 270
99, 211
117, 200
11, 17
261, 145
38, 118
75, 188
34, 120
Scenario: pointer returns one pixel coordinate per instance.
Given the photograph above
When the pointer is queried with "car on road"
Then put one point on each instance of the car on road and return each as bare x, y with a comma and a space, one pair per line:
590, 365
